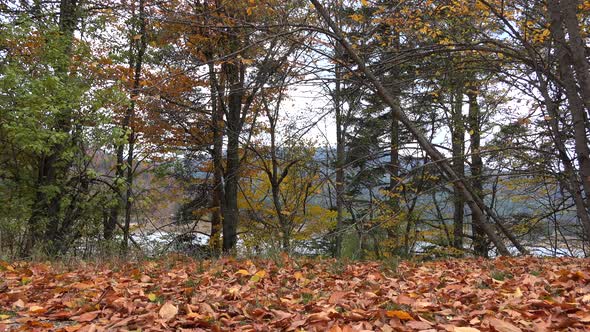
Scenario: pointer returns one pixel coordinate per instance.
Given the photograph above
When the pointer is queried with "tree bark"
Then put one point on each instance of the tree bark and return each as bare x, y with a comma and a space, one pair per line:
394, 146
458, 147
234, 74
577, 47
217, 155
479, 243
567, 66
340, 146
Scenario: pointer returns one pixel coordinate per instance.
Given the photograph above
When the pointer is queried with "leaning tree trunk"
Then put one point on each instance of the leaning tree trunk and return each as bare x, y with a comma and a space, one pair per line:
475, 203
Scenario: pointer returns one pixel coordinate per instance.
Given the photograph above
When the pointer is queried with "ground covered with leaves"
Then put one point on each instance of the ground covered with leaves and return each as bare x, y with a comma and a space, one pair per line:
505, 295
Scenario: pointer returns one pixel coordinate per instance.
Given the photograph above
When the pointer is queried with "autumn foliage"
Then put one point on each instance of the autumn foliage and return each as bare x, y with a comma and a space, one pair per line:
176, 293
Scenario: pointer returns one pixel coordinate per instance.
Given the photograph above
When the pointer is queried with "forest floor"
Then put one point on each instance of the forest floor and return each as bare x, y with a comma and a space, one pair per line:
176, 293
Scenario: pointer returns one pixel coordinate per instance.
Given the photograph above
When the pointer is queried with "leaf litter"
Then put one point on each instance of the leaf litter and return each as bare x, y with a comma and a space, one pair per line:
180, 294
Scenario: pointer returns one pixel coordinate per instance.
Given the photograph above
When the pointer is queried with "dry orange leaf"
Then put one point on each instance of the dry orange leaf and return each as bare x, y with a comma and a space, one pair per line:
402, 315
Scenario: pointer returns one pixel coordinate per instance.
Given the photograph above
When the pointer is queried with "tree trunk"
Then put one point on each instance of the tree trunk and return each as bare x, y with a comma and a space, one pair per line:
577, 48
340, 145
110, 223
566, 65
458, 147
216, 202
394, 146
479, 243
135, 64
44, 221
234, 76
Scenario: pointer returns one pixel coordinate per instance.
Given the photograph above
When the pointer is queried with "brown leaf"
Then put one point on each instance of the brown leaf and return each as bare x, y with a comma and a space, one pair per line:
502, 326
19, 304
418, 325
336, 297
280, 315
168, 311
335, 328
73, 328
465, 329
318, 317
88, 328
403, 299
86, 317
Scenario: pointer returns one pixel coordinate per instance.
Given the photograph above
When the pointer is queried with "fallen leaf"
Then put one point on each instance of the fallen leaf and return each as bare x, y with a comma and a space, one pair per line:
318, 317
243, 272
418, 325
168, 311
86, 317
19, 304
258, 275
403, 299
36, 309
73, 328
335, 328
402, 315
152, 297
503, 326
280, 315
517, 293
336, 296
465, 329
